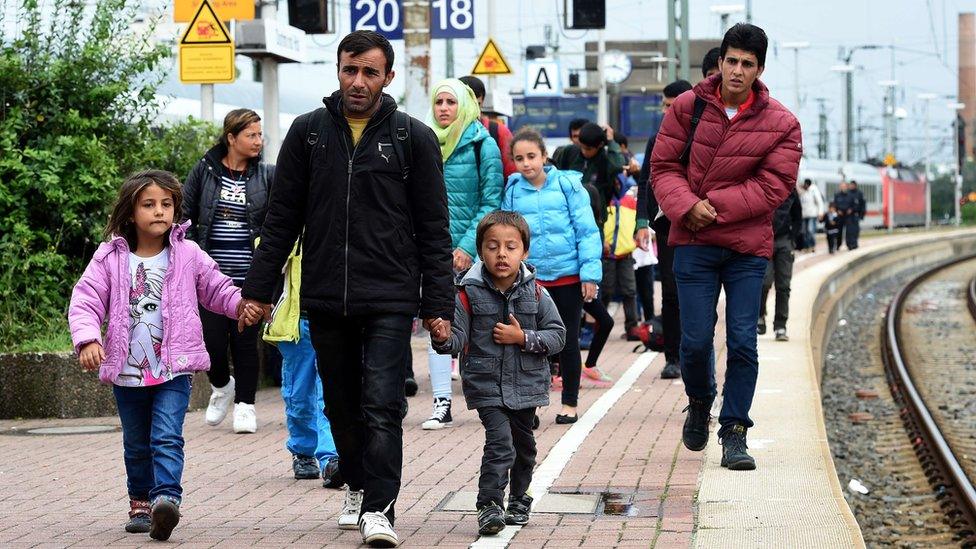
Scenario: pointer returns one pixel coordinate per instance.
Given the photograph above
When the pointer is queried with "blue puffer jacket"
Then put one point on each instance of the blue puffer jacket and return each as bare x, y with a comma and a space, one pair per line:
471, 195
565, 239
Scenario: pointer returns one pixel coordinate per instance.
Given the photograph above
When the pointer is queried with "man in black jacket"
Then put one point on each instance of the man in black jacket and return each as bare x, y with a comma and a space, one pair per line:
647, 213
366, 183
847, 213
854, 222
787, 231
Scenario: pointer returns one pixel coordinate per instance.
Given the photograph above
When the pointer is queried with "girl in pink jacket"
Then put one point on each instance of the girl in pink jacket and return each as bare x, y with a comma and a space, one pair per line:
146, 283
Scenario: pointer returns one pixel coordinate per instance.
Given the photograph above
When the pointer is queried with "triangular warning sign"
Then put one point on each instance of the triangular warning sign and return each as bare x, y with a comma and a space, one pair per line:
205, 27
491, 61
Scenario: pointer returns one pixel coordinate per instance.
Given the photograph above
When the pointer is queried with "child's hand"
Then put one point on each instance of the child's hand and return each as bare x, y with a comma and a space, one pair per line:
91, 356
440, 330
249, 314
589, 291
509, 334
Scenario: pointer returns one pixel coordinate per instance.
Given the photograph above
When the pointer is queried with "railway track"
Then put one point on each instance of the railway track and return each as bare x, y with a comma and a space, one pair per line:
930, 363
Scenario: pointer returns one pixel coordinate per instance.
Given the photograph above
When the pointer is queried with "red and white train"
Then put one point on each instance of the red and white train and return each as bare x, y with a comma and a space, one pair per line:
875, 182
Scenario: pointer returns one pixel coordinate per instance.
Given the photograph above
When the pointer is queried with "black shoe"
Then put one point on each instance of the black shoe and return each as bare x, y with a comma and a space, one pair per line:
734, 447
566, 419
410, 387
331, 478
781, 335
491, 520
761, 327
139, 521
535, 422
695, 432
671, 371
517, 513
165, 517
305, 467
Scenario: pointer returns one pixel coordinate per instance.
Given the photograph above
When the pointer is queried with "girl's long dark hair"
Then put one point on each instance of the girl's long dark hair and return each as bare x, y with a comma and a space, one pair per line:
120, 222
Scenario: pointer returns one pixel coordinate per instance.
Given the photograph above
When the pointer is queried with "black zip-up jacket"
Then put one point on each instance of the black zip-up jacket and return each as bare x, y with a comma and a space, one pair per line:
788, 218
201, 191
372, 238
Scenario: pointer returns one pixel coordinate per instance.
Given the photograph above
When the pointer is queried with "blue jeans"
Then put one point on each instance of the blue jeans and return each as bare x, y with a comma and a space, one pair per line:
152, 437
700, 271
309, 433
810, 231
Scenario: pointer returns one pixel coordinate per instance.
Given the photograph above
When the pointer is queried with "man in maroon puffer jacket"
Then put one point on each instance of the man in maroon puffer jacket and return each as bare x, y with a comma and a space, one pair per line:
721, 198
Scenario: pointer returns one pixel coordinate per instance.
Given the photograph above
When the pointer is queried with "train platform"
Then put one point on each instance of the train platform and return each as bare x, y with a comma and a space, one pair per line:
619, 477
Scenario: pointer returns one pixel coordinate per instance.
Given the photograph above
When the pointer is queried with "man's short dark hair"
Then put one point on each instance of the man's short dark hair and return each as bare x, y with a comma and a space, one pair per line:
621, 139
746, 37
361, 41
710, 61
576, 124
592, 135
807, 182
676, 88
853, 183
476, 85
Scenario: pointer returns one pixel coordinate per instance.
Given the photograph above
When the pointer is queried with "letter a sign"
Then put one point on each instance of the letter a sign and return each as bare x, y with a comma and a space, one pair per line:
491, 61
543, 78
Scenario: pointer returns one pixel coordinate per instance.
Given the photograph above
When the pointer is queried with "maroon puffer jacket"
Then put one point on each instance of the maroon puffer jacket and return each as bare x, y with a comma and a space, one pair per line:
745, 167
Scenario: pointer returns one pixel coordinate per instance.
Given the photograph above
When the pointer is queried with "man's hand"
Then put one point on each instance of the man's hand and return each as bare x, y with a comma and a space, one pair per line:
91, 356
589, 291
462, 260
440, 330
509, 334
250, 312
643, 238
609, 132
700, 216
429, 324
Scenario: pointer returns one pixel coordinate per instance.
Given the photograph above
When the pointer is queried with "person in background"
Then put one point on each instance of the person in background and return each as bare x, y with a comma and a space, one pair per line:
473, 176
632, 167
812, 204
710, 62
597, 157
648, 210
854, 221
226, 200
499, 132
832, 225
844, 202
787, 232
310, 439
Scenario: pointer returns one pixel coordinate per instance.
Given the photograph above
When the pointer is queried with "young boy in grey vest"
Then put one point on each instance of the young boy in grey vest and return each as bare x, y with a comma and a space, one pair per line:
505, 326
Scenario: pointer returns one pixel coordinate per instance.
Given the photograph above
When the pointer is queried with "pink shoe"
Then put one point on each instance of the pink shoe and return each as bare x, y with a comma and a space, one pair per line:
557, 383
596, 374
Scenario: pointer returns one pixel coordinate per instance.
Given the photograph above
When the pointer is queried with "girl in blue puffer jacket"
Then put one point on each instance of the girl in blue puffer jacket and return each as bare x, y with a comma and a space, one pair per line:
565, 247
474, 180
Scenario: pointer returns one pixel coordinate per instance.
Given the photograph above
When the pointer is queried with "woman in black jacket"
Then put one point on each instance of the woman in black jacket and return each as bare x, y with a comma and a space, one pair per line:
226, 199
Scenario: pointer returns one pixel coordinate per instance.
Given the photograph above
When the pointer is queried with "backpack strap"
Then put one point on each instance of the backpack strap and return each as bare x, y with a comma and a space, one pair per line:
494, 132
316, 128
685, 157
402, 143
477, 158
465, 302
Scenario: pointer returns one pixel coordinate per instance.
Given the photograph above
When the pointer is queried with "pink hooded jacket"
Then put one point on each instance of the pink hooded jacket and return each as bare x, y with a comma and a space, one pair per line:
745, 167
191, 280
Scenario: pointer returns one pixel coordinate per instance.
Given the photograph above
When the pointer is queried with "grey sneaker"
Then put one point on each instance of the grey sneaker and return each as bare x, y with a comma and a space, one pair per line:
671, 371
165, 515
491, 519
331, 477
304, 467
781, 335
734, 455
517, 513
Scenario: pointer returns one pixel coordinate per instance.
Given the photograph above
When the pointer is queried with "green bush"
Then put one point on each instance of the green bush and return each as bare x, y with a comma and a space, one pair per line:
77, 105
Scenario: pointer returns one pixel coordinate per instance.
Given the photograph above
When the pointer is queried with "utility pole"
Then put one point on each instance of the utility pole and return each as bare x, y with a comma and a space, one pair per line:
845, 149
796, 47
449, 57
823, 135
859, 135
490, 14
416, 44
926, 151
269, 86
749, 11
602, 111
677, 51
957, 180
889, 156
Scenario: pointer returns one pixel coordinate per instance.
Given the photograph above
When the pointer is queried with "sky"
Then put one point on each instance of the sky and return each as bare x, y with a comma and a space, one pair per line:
924, 33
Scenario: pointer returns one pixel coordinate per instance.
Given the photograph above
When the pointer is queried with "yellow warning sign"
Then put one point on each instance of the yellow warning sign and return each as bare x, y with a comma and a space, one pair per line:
889, 160
183, 10
491, 61
205, 27
206, 49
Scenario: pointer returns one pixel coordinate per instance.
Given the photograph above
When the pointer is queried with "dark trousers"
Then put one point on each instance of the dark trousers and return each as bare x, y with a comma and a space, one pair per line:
361, 364
833, 240
509, 452
569, 303
780, 272
219, 333
618, 280
852, 231
701, 271
601, 331
644, 278
670, 311
152, 437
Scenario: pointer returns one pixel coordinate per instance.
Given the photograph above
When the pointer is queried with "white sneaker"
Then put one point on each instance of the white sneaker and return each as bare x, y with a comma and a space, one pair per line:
349, 517
440, 417
245, 420
377, 531
220, 401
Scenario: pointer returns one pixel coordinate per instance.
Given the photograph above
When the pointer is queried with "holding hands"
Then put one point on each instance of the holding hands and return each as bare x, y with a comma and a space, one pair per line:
439, 329
509, 334
250, 312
